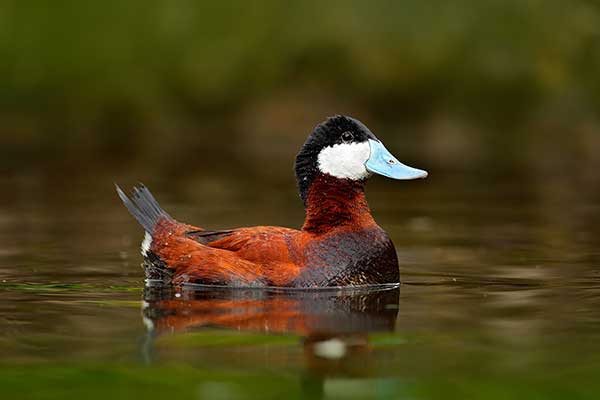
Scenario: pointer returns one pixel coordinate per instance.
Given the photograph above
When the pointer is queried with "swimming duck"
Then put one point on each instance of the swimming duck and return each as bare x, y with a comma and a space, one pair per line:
339, 244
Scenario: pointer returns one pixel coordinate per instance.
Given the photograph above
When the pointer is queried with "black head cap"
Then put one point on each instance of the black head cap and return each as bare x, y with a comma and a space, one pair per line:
335, 130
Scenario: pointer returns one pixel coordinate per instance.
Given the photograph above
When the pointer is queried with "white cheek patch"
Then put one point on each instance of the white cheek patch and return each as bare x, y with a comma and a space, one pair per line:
146, 244
345, 161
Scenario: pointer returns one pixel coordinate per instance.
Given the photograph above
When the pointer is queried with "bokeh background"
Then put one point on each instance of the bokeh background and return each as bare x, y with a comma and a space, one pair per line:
208, 102
462, 85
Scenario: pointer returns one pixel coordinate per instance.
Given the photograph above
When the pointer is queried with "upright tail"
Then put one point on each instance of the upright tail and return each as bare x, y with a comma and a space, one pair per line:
144, 207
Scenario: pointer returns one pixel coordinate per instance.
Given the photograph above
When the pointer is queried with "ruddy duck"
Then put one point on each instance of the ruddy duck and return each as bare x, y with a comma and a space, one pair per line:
340, 244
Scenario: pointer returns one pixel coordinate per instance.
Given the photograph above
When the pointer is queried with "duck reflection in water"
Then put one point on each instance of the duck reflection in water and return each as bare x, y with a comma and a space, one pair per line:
334, 324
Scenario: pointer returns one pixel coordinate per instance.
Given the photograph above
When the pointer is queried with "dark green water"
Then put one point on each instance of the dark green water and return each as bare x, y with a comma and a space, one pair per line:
500, 296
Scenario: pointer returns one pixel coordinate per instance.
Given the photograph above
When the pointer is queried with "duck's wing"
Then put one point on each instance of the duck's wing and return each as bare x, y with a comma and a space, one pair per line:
276, 250
243, 256
246, 239
205, 237
193, 262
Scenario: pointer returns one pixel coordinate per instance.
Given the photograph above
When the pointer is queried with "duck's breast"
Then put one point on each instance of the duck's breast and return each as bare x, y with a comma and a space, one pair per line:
349, 257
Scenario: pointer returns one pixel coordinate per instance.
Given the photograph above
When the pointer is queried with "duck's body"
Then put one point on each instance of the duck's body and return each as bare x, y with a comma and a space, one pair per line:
340, 244
337, 246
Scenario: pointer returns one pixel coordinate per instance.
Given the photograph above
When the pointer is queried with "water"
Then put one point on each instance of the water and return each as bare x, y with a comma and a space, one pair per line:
500, 295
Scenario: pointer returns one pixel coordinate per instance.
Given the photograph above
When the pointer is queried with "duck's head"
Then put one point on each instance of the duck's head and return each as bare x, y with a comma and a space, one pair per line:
344, 148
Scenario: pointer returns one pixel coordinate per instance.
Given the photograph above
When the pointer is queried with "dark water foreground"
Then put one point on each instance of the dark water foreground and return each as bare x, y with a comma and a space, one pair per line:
500, 296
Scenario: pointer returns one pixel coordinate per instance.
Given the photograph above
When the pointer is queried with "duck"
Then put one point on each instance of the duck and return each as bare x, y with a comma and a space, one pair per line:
338, 245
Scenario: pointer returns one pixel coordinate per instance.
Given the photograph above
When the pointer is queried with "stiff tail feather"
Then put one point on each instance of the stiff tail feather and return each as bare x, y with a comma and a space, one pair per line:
144, 207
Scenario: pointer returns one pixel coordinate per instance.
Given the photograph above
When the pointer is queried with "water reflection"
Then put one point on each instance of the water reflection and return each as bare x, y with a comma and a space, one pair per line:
334, 325
306, 313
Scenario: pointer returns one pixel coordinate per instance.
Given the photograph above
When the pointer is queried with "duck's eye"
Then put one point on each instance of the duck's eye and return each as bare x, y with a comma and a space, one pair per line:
347, 137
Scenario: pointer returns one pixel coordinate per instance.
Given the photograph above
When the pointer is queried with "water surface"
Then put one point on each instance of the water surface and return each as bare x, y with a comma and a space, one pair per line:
500, 295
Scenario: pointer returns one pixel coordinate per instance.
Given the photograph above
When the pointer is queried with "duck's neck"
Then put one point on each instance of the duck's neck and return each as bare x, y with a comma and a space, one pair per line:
333, 203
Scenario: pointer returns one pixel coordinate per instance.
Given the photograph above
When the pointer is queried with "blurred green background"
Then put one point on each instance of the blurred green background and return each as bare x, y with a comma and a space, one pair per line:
462, 85
208, 103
